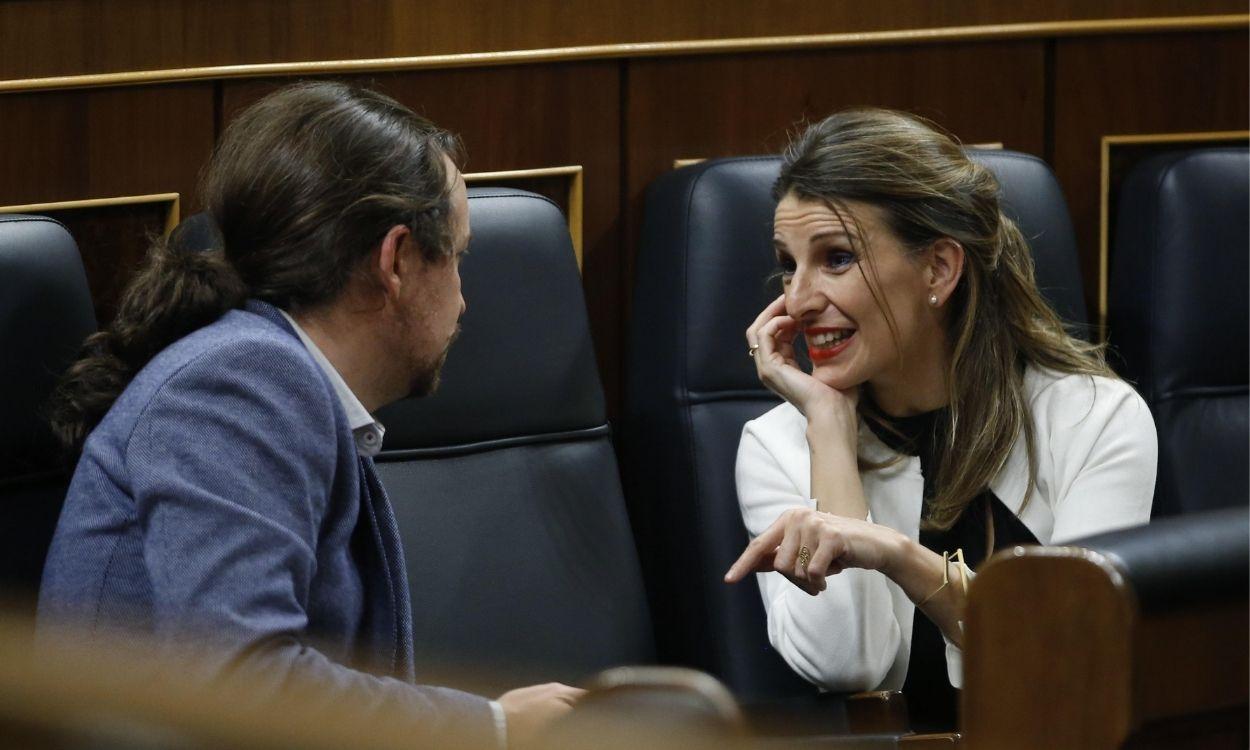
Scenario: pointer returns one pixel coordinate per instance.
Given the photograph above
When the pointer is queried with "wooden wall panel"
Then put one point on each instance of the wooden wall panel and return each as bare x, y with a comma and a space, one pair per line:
73, 145
106, 143
1165, 83
747, 104
65, 37
527, 117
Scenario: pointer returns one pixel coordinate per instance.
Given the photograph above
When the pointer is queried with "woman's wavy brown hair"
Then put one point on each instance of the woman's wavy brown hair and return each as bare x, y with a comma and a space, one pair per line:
302, 187
998, 322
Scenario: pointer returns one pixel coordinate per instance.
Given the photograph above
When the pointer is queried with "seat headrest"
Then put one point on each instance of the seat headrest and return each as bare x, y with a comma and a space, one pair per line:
525, 337
45, 314
1031, 197
196, 233
1178, 272
717, 218
1185, 560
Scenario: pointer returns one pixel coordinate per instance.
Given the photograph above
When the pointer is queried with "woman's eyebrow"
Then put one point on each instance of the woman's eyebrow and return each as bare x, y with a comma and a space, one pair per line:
831, 234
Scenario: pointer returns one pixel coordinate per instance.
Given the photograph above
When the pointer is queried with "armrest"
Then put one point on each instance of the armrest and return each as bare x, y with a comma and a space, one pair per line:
652, 708
1122, 639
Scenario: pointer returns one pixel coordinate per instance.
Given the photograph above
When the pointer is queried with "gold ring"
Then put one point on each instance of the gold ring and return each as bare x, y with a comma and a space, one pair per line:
805, 556
752, 349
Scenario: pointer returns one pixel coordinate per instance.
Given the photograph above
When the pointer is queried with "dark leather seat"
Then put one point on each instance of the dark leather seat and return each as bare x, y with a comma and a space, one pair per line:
1179, 563
45, 314
1179, 319
520, 557
705, 254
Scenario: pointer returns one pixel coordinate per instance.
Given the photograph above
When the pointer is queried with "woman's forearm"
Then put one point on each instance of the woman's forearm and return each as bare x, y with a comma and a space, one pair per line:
836, 486
919, 572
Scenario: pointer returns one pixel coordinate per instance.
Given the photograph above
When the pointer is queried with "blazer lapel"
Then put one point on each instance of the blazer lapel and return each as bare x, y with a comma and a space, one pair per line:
386, 581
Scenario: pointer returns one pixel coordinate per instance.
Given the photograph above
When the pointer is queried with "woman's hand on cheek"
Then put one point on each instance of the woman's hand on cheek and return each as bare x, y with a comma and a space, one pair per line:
771, 337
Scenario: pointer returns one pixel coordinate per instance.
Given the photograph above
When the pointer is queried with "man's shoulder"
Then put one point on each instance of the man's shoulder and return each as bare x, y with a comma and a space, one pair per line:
233, 336
239, 344
241, 355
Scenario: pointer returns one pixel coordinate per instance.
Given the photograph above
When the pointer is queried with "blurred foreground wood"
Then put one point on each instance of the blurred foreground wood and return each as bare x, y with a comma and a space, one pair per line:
68, 693
1060, 654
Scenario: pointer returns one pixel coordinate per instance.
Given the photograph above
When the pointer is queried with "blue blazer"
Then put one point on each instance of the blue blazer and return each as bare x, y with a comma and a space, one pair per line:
222, 501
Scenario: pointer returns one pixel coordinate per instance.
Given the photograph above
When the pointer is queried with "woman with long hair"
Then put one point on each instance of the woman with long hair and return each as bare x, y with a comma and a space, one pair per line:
947, 412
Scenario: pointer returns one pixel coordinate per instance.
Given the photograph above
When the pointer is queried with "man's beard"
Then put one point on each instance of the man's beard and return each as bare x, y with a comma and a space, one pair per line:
426, 380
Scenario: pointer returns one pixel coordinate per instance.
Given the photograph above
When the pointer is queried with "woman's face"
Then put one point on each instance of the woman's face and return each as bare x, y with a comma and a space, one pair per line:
830, 270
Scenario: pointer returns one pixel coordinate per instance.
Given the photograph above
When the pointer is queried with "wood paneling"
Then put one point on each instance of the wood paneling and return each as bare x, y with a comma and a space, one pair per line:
749, 104
113, 241
1147, 84
526, 117
65, 37
75, 145
624, 121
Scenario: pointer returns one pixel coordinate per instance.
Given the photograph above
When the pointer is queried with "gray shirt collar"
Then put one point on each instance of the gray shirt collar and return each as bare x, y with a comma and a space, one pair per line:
367, 431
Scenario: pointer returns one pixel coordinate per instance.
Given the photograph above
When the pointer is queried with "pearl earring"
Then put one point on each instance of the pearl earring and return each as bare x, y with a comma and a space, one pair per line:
933, 300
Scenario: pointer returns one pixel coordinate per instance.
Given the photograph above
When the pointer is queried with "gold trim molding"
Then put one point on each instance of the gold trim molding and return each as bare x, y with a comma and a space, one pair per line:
574, 175
1104, 194
646, 49
171, 214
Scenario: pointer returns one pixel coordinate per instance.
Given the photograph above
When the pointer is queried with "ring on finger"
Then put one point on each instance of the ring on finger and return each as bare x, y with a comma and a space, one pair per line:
805, 556
752, 349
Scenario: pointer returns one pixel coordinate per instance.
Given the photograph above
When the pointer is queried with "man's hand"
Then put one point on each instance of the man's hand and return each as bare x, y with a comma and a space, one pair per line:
530, 710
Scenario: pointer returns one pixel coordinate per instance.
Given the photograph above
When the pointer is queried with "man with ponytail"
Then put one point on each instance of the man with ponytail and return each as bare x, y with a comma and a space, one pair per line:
225, 493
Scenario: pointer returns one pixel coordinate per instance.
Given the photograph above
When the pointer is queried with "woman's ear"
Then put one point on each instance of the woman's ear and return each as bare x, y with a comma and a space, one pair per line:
946, 267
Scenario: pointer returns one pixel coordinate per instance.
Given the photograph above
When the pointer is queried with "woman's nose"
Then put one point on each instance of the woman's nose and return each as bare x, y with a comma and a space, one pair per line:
802, 298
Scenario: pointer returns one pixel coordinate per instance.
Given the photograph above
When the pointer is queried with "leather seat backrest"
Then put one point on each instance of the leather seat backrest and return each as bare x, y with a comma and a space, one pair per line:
45, 314
705, 254
520, 556
1179, 318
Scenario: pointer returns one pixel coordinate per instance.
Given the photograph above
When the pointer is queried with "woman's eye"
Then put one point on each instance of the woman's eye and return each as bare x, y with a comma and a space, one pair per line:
839, 259
785, 266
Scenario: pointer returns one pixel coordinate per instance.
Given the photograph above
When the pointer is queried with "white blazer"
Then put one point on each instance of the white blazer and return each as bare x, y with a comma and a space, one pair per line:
1096, 461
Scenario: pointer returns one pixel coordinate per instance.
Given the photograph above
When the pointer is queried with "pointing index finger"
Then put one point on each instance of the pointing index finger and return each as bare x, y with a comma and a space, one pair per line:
760, 548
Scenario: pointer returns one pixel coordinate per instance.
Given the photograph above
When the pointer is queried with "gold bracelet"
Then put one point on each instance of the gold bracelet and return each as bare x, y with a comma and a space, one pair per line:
958, 557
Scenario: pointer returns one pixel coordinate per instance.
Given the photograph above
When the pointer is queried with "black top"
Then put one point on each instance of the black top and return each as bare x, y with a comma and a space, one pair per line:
932, 704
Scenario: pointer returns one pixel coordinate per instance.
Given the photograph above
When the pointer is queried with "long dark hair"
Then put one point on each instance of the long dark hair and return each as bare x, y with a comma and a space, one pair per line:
929, 189
302, 187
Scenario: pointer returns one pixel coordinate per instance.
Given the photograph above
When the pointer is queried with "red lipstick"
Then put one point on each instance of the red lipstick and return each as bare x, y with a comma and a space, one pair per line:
822, 353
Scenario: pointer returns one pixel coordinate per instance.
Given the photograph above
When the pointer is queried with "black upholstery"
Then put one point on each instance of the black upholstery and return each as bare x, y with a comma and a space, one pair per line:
196, 233
705, 254
1179, 318
1183, 562
45, 314
520, 556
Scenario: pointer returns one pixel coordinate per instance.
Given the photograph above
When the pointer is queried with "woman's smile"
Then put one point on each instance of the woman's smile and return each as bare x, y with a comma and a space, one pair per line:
827, 343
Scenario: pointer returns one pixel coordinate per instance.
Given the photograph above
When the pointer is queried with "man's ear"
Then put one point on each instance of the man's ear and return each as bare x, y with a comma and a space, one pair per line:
395, 259
946, 267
